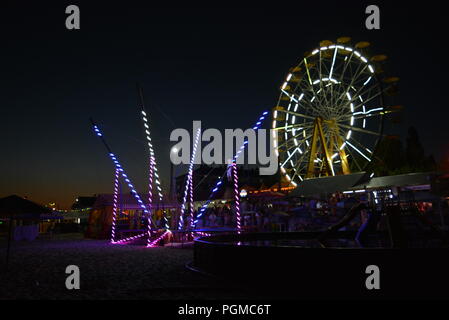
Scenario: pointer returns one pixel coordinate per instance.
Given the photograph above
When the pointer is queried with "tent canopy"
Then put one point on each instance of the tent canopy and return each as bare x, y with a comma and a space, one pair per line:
327, 185
401, 180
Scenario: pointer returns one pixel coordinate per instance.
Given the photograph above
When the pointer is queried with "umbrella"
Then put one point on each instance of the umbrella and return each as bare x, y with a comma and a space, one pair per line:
15, 206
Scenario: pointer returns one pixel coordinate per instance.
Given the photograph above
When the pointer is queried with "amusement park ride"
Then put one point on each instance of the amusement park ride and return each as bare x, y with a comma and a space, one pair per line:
329, 119
330, 112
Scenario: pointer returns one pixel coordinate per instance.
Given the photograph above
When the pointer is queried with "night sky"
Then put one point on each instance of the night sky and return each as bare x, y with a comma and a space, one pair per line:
221, 65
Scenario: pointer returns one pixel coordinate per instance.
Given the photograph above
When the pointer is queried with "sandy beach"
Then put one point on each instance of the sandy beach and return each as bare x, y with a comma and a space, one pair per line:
37, 271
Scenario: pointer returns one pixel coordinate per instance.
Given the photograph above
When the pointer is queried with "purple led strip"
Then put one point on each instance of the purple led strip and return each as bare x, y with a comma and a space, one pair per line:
236, 197
154, 242
114, 208
189, 182
150, 197
129, 239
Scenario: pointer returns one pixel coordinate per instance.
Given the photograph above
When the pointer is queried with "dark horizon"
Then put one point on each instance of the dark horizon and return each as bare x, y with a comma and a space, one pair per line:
194, 63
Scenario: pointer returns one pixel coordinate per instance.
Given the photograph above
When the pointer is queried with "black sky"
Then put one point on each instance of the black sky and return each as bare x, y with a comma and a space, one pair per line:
219, 65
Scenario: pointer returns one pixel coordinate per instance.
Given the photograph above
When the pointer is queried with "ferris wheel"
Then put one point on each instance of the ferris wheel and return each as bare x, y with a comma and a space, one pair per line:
329, 117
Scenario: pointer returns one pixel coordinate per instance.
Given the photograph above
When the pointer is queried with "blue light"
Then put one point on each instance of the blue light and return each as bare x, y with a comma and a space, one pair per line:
265, 113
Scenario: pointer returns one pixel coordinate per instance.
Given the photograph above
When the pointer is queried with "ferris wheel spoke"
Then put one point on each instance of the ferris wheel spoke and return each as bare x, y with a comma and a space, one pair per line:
362, 148
293, 139
358, 151
345, 66
358, 129
297, 168
351, 84
310, 83
361, 115
296, 114
320, 77
368, 100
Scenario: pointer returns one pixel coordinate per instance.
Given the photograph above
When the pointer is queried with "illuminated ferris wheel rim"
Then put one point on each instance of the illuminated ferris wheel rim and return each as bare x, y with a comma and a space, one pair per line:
348, 114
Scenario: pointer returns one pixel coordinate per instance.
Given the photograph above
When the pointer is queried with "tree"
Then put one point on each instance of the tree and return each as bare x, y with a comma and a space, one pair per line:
414, 151
389, 158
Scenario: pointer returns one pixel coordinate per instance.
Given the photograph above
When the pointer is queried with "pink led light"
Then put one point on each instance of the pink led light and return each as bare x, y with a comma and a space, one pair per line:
191, 201
189, 183
236, 197
129, 239
202, 234
150, 197
153, 243
114, 208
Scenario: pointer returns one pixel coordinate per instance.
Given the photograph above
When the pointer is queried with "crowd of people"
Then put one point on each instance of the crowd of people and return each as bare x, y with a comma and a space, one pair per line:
266, 215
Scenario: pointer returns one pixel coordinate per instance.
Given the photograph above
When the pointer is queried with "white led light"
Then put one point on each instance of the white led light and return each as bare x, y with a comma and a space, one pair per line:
348, 136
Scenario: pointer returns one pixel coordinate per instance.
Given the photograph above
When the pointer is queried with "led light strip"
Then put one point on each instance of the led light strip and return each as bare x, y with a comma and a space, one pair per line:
150, 198
114, 207
153, 243
150, 146
220, 180
153, 157
236, 197
189, 182
130, 238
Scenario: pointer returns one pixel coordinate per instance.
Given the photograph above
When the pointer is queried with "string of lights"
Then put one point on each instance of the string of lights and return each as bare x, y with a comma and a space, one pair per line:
150, 197
152, 154
189, 182
114, 207
236, 196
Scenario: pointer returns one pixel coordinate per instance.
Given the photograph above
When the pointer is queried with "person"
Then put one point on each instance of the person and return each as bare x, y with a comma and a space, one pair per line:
212, 219
266, 222
258, 220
